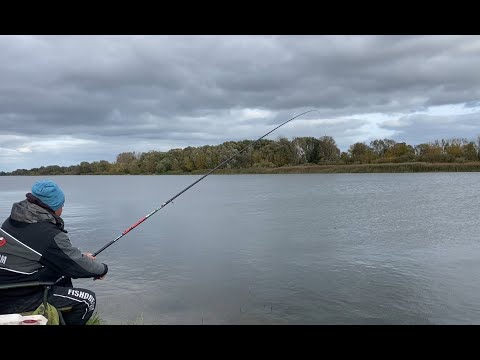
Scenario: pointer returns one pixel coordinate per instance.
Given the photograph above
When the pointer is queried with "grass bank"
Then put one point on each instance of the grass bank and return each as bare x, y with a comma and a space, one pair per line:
412, 167
97, 320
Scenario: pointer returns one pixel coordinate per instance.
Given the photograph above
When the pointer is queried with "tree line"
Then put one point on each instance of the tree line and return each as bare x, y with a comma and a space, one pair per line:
270, 154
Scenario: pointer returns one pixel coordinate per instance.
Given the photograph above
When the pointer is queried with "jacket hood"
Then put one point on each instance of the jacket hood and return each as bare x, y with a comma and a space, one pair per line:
27, 212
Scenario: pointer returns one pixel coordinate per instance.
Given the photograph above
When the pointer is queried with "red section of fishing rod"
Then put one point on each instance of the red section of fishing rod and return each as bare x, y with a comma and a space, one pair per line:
126, 232
195, 182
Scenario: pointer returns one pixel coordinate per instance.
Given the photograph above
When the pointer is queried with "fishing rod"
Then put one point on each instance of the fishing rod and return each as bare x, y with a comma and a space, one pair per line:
195, 182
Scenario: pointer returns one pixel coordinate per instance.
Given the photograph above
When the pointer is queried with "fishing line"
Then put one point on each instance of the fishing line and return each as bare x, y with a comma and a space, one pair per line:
195, 182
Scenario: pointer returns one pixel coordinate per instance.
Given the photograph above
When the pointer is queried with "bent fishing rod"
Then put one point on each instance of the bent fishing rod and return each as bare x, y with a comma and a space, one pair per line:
195, 182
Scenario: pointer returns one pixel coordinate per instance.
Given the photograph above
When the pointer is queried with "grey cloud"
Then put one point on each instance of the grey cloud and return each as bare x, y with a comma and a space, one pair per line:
417, 129
130, 89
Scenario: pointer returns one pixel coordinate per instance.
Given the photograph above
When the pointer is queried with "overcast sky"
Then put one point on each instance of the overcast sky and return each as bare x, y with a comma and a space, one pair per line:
68, 99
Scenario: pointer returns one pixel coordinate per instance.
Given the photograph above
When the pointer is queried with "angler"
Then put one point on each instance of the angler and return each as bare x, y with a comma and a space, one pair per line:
39, 261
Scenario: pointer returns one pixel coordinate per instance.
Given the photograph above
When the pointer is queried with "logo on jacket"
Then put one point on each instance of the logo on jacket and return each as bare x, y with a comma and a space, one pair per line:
2, 241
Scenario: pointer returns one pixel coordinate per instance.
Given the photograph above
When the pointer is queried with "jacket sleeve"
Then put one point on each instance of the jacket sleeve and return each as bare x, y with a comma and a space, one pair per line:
69, 261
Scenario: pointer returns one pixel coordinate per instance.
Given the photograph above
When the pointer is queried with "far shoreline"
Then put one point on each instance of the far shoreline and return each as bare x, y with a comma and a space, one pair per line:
410, 167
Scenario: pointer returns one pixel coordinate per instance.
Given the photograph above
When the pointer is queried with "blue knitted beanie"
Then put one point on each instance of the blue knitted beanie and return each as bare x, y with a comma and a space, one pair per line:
49, 193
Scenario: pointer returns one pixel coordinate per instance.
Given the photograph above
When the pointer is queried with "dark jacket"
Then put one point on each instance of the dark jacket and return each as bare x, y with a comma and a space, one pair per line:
35, 247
